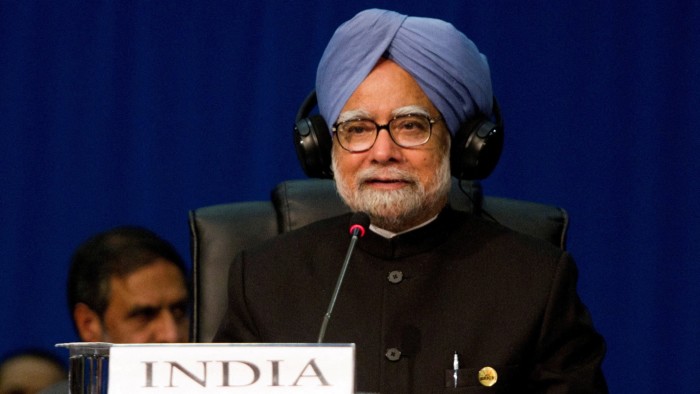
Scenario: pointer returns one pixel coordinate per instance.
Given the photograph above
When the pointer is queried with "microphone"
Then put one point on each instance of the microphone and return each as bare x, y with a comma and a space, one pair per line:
358, 225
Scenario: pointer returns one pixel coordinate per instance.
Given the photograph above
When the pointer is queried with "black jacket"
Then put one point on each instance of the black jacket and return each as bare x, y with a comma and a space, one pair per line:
460, 284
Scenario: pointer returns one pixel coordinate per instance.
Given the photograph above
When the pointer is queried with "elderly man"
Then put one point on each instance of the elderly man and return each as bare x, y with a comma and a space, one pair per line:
434, 298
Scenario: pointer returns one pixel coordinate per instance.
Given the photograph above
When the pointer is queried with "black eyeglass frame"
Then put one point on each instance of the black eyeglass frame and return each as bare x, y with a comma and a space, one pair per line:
387, 127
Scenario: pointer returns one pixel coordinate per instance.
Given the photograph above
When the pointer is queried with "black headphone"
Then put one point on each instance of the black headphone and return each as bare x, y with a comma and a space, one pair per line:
475, 151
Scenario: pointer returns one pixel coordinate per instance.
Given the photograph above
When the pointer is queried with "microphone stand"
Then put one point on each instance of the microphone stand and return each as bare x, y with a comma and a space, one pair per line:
327, 316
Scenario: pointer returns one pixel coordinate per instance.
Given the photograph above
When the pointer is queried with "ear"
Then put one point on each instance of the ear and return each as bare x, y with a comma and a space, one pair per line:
88, 323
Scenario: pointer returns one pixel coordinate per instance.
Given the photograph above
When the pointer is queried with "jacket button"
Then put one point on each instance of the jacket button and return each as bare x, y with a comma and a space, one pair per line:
393, 354
395, 277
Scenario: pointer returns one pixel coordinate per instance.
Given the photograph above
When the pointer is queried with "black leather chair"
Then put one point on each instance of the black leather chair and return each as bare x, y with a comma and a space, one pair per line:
219, 232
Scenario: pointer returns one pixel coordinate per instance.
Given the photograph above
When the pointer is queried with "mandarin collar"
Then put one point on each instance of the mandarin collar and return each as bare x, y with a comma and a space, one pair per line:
413, 242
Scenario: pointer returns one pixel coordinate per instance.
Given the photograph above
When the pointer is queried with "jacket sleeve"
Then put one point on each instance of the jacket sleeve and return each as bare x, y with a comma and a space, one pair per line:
570, 352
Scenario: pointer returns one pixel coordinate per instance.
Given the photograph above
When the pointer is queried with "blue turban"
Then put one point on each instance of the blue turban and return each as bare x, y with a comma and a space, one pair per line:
444, 62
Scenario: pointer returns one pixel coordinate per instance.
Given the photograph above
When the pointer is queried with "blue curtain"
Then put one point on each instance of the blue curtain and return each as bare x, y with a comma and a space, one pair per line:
115, 112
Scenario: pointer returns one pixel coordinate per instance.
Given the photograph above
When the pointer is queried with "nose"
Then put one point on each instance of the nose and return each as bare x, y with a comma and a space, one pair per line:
168, 329
384, 148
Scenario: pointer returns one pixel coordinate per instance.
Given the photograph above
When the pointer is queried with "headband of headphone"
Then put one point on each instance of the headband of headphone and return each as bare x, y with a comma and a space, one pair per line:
476, 147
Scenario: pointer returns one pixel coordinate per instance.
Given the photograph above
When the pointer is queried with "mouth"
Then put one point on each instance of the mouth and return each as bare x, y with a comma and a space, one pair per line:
386, 183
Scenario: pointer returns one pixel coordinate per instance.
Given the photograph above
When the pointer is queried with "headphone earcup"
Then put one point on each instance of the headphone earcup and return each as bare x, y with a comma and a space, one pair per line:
313, 143
476, 148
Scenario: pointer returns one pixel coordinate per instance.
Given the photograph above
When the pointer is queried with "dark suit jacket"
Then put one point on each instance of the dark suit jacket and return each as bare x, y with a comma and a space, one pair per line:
460, 284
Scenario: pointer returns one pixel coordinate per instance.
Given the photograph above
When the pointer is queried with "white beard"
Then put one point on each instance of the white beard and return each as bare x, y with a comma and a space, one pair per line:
395, 210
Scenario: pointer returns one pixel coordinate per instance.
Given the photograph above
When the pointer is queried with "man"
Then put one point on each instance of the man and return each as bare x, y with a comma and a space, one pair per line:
29, 371
128, 285
427, 282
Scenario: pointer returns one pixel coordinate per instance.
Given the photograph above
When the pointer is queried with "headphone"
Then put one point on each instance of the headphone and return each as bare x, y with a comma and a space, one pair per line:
476, 147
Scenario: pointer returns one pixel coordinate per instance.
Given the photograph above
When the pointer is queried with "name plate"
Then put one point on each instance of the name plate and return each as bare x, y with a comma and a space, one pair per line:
231, 368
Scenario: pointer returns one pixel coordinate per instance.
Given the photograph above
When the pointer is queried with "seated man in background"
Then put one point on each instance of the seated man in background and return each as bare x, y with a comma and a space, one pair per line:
128, 285
434, 299
29, 371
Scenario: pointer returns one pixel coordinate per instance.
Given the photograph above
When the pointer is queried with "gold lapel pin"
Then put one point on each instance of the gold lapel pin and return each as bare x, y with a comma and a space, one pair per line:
487, 376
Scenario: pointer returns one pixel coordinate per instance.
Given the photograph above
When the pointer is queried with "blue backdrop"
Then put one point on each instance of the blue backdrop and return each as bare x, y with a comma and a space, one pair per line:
115, 112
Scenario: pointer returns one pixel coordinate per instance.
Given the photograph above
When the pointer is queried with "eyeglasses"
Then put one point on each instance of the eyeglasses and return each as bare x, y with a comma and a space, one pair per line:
407, 131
